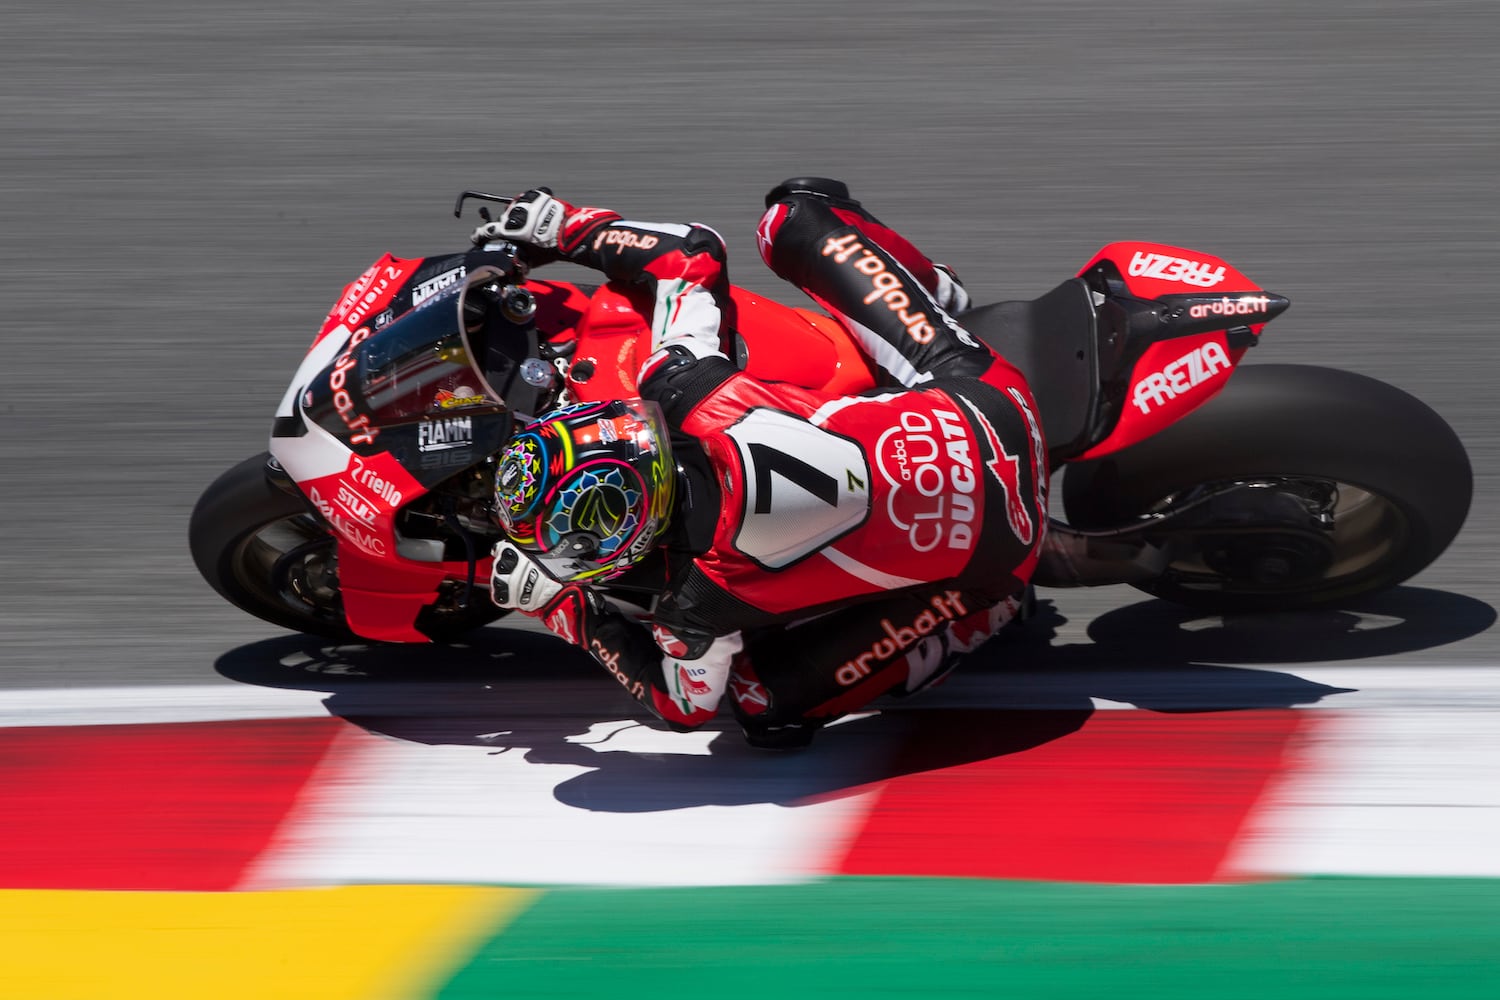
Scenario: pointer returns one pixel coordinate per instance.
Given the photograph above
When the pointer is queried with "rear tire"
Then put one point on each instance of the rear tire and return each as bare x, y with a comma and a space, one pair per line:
1402, 475
244, 533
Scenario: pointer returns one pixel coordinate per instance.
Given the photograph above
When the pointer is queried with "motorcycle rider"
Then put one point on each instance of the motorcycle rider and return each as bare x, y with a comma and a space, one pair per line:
861, 543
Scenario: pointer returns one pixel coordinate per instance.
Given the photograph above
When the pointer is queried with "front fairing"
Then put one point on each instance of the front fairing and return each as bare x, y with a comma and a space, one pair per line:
378, 415
412, 390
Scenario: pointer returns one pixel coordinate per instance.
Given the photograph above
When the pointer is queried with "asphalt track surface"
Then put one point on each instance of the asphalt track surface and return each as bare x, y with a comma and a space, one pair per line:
185, 187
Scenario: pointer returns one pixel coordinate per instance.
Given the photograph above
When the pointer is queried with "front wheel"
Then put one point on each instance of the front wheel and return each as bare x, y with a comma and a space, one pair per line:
258, 545
1299, 487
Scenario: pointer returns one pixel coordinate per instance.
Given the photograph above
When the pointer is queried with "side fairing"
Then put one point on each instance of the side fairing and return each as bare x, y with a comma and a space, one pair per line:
386, 404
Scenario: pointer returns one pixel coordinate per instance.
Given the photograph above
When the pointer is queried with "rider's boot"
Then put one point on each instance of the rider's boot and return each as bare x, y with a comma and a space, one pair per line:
765, 724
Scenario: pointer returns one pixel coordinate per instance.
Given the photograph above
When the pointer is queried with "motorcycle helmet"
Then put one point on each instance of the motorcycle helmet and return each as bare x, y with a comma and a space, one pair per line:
587, 489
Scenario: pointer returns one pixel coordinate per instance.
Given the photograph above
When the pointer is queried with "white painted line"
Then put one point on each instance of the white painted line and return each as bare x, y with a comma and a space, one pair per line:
1319, 686
117, 706
1396, 687
1452, 688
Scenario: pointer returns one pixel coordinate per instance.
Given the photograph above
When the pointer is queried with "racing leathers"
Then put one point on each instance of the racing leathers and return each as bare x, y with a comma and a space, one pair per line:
825, 550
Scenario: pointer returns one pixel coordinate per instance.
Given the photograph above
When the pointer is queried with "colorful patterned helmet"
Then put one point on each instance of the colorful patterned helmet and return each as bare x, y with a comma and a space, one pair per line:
588, 488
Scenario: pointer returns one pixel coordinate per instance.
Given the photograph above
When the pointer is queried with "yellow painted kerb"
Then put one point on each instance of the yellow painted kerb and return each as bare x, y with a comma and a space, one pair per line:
373, 942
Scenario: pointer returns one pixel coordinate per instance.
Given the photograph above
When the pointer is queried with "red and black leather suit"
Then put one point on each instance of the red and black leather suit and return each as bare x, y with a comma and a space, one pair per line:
826, 550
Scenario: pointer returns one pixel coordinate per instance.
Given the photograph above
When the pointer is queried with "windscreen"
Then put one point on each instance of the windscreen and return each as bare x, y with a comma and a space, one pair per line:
413, 389
421, 364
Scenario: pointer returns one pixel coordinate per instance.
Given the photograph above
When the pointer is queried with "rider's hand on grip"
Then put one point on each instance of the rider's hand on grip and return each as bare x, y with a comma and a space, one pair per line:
534, 218
518, 582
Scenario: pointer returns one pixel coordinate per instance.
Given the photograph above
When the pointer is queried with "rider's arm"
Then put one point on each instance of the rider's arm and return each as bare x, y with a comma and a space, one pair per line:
683, 265
678, 672
679, 676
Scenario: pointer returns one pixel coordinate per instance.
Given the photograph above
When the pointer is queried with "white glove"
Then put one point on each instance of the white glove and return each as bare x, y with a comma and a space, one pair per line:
534, 218
518, 582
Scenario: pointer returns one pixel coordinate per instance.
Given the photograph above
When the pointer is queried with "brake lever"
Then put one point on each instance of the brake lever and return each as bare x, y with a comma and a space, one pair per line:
458, 206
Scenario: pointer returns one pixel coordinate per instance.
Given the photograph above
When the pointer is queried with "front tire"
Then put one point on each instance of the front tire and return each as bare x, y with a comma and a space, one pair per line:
1399, 476
256, 543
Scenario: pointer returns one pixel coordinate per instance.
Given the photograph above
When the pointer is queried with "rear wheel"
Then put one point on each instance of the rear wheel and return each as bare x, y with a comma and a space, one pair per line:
258, 545
1295, 487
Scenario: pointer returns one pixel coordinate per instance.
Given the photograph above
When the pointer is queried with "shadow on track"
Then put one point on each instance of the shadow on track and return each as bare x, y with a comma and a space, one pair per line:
1161, 656
500, 689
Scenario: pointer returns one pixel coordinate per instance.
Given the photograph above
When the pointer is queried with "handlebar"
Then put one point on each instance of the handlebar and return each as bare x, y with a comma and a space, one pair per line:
458, 206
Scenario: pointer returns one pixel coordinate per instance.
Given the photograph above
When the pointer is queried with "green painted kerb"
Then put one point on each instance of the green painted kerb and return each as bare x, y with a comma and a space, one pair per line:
1313, 938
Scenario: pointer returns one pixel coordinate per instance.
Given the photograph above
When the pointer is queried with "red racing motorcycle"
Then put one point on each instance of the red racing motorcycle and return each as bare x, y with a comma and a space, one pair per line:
1228, 488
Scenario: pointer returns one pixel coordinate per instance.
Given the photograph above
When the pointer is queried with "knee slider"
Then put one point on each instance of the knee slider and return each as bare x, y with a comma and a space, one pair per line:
822, 187
790, 736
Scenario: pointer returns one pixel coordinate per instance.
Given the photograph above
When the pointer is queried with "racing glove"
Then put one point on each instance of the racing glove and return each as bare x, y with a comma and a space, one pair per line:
519, 583
538, 220
534, 218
